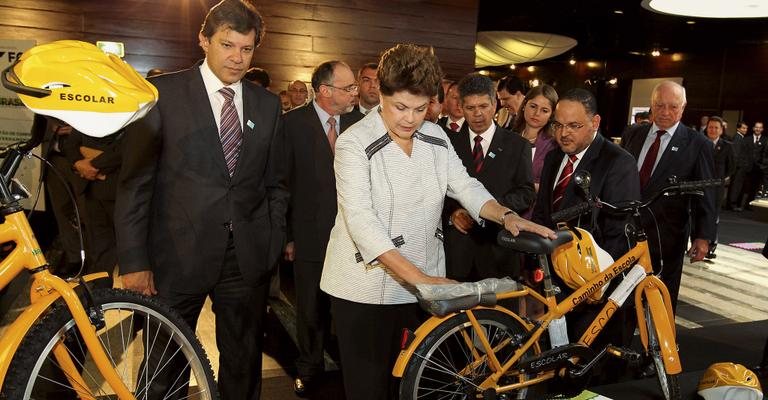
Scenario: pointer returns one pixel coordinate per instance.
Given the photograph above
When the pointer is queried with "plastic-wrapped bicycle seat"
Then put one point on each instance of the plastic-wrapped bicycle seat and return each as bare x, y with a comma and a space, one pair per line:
441, 300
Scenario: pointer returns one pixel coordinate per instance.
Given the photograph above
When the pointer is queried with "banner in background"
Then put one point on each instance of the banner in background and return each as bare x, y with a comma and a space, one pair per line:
16, 122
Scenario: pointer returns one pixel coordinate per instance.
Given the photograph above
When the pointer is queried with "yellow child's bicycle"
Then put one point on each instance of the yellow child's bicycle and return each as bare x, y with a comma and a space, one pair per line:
75, 341
474, 348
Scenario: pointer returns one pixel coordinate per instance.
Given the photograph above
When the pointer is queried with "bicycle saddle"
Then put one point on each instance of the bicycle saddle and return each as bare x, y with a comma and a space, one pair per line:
532, 243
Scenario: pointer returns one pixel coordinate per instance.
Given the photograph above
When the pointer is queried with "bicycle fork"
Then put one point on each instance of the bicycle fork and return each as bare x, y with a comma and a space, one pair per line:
44, 280
659, 304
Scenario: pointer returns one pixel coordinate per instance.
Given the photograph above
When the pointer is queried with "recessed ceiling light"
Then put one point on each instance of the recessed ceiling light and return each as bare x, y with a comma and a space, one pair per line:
572, 61
484, 72
655, 53
690, 22
709, 9
512, 66
531, 68
618, 12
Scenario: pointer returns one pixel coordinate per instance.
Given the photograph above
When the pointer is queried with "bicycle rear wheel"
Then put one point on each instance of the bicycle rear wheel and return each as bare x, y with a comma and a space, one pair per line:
450, 363
670, 387
152, 349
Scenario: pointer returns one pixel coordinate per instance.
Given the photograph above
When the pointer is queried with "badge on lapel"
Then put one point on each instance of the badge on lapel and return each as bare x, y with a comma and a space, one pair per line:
674, 148
250, 124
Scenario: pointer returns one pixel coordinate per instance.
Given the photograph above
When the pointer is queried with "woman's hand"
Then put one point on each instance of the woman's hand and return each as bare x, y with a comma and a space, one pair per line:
515, 223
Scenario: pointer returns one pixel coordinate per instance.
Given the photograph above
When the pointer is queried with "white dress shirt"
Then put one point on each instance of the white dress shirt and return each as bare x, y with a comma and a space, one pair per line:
665, 139
487, 137
212, 87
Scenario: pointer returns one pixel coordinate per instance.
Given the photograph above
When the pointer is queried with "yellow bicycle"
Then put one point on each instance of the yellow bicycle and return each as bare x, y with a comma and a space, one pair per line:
473, 347
75, 341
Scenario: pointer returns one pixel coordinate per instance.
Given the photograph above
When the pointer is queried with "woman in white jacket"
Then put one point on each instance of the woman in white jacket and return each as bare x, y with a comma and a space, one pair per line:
393, 171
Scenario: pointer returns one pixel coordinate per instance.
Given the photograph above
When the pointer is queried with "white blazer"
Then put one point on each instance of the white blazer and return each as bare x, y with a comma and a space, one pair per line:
387, 200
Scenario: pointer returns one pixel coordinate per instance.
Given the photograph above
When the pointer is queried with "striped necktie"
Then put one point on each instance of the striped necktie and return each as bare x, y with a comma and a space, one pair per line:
477, 154
562, 183
230, 132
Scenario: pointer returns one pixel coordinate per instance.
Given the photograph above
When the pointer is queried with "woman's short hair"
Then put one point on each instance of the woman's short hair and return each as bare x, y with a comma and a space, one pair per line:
542, 90
238, 15
411, 68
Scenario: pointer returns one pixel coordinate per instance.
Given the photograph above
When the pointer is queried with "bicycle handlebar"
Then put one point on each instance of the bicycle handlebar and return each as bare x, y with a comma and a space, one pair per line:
681, 188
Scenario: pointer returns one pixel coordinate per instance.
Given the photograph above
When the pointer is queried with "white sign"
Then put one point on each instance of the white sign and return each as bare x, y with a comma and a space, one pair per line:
16, 122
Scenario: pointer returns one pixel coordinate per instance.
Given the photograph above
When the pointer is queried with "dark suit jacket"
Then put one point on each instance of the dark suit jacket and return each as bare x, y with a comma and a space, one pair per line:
755, 150
614, 179
443, 123
108, 162
506, 173
741, 153
312, 184
175, 196
725, 160
688, 156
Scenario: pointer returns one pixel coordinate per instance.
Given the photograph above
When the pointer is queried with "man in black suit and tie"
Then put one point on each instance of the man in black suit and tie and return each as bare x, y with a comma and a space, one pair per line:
755, 144
665, 149
743, 160
614, 179
368, 90
201, 200
310, 133
725, 166
501, 161
453, 117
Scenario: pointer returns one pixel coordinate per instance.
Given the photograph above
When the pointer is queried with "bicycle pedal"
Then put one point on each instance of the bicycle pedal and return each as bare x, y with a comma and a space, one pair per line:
623, 353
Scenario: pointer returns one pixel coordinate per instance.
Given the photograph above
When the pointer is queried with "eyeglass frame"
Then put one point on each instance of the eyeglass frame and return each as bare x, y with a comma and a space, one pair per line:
570, 127
352, 88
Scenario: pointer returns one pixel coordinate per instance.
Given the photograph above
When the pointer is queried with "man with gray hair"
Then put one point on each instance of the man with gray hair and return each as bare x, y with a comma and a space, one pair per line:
501, 161
663, 150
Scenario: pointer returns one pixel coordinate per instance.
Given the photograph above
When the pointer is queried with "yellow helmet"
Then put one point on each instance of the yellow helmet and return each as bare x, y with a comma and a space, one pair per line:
95, 92
729, 381
580, 260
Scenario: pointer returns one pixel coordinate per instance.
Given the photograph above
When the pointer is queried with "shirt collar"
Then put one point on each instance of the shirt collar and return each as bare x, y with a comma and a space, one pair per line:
213, 84
487, 135
670, 131
323, 115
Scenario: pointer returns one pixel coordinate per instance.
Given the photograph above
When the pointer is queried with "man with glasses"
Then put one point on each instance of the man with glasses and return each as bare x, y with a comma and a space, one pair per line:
614, 179
298, 93
369, 88
310, 133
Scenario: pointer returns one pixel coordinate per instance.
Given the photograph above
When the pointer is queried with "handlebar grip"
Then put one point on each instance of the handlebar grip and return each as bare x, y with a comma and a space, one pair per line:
702, 184
570, 212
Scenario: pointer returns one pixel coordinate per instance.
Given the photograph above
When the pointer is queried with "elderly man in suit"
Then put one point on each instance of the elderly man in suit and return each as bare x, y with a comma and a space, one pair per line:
201, 200
310, 134
614, 179
501, 161
663, 150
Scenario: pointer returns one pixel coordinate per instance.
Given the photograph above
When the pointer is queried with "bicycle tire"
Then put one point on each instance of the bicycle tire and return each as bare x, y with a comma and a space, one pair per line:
669, 385
139, 323
423, 381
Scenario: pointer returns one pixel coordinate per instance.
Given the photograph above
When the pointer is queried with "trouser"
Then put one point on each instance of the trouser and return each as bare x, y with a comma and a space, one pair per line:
736, 189
369, 342
239, 312
101, 233
312, 317
63, 206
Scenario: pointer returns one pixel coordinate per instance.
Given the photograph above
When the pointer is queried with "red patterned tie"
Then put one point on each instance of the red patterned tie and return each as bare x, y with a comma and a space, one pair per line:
562, 183
454, 126
477, 154
650, 160
332, 133
230, 132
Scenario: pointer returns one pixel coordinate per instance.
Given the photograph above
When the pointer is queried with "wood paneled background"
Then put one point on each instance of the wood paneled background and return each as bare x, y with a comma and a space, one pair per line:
300, 33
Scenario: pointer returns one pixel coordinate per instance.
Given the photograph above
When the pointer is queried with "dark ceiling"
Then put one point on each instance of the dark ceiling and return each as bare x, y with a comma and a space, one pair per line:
604, 34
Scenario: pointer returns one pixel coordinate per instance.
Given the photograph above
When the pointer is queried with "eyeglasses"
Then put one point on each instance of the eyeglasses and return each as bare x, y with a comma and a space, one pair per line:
570, 127
302, 91
349, 88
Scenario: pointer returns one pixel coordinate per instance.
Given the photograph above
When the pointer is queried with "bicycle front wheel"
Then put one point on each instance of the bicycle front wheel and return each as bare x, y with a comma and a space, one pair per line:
451, 362
669, 385
152, 349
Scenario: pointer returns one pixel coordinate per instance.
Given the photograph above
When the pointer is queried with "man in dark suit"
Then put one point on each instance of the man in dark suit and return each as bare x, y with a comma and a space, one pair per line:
725, 166
614, 179
201, 200
754, 145
511, 92
310, 132
743, 159
453, 117
368, 88
665, 149
501, 161
97, 162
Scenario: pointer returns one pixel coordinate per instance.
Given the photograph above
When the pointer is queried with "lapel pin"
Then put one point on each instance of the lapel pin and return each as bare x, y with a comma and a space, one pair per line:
491, 154
674, 148
250, 124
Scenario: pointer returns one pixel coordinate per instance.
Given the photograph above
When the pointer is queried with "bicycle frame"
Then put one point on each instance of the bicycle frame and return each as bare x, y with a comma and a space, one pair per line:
47, 288
650, 288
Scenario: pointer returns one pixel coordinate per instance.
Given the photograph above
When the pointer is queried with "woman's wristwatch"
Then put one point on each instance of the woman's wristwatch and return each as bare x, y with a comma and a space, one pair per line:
504, 216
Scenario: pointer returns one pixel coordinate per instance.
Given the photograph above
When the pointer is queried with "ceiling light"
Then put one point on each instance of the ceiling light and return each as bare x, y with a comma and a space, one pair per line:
613, 81
618, 12
593, 64
677, 56
512, 66
534, 82
690, 22
510, 47
709, 9
655, 52
531, 68
572, 61
484, 72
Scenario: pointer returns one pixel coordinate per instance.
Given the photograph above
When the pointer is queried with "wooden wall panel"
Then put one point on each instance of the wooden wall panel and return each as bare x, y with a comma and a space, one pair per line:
300, 33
